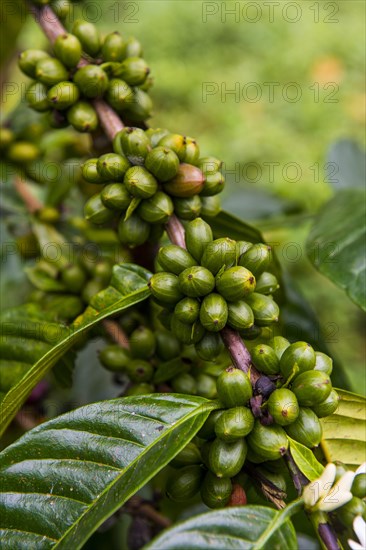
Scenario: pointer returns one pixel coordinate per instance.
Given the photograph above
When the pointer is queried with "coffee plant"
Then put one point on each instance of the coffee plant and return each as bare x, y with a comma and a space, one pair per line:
217, 416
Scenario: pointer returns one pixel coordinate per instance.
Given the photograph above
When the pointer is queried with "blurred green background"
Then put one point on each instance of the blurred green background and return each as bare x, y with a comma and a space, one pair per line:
298, 74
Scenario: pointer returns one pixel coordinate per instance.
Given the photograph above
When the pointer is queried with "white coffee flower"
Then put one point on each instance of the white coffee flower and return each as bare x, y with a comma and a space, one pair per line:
325, 494
359, 527
361, 469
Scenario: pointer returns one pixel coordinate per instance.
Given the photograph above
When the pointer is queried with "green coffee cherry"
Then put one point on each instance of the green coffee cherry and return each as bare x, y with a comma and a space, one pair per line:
167, 346
198, 236
103, 270
265, 359
135, 144
209, 165
90, 172
187, 310
88, 35
134, 231
91, 289
279, 345
116, 197
83, 117
96, 212
187, 208
133, 48
234, 424
242, 247
22, 152
214, 312
184, 383
67, 48
323, 363
206, 386
191, 151
251, 333
187, 182
227, 459
240, 316
213, 184
265, 310
62, 8
187, 334
184, 484
210, 347
57, 119
266, 283
113, 48
113, 167
210, 206
257, 259
215, 491
139, 371
233, 387
74, 278
28, 60
283, 406
36, 96
50, 71
328, 406
196, 281
218, 253
140, 183
114, 358
91, 80
133, 70
63, 95
306, 429
311, 387
299, 356
274, 477
155, 135
175, 259
157, 209
235, 283
163, 163
140, 106
188, 456
347, 513
176, 143
119, 95
165, 288
359, 486
6, 138
268, 442
142, 343
48, 214
140, 389
208, 429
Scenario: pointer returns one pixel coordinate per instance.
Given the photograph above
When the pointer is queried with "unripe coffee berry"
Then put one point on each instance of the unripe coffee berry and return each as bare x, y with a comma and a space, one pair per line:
265, 359
257, 258
234, 388
134, 143
167, 346
90, 172
50, 71
116, 197
208, 429
28, 60
63, 95
206, 386
279, 345
74, 278
323, 363
210, 347
218, 253
234, 424
299, 356
191, 151
163, 163
306, 429
133, 70
114, 358
67, 48
227, 459
187, 208
240, 316
96, 212
216, 491
265, 310
83, 117
176, 143
213, 184
186, 333
140, 183
328, 406
157, 209
91, 80
210, 206
187, 182
88, 35
359, 486
165, 288
140, 106
36, 96
113, 167
196, 281
283, 406
235, 283
142, 343
139, 370
187, 310
266, 283
119, 95
134, 231
311, 387
198, 235
155, 135
133, 48
213, 312
175, 259
184, 383
185, 483
188, 456
113, 47
209, 165
268, 442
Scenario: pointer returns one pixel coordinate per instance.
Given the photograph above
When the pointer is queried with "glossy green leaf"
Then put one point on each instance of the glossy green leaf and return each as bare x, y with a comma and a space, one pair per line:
128, 287
305, 460
336, 243
346, 165
230, 528
227, 225
344, 433
64, 478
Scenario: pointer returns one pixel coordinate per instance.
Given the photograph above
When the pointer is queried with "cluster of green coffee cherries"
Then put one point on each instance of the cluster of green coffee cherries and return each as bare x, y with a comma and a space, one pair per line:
151, 175
86, 67
62, 8
213, 284
238, 433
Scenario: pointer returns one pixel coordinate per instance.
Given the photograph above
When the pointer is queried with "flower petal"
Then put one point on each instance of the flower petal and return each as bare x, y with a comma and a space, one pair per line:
359, 527
345, 482
333, 501
361, 469
319, 488
354, 545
